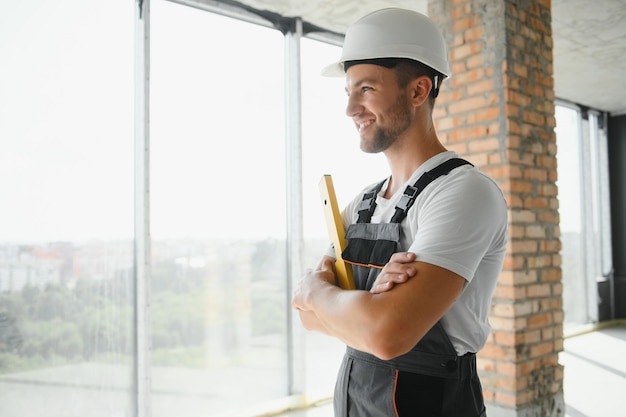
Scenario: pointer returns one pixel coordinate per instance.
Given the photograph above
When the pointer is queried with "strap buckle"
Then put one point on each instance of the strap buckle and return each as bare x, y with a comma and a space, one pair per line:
406, 201
366, 203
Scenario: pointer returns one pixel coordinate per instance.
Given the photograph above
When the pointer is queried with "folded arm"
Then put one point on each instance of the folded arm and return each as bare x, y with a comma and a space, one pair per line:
386, 324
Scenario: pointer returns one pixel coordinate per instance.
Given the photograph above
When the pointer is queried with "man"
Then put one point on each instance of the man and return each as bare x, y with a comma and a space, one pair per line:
426, 250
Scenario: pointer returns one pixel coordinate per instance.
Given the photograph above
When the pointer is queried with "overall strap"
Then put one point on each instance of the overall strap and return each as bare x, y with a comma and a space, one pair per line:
411, 192
368, 204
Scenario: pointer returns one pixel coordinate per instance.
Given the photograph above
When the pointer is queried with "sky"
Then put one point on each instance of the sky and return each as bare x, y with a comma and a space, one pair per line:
61, 84
217, 117
217, 126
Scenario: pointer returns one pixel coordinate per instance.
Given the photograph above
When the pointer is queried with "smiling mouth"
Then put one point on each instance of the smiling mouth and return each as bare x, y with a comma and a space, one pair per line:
364, 124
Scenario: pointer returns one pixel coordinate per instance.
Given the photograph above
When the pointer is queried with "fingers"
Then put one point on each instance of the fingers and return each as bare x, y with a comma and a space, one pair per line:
326, 270
398, 270
311, 281
402, 257
400, 263
388, 283
327, 264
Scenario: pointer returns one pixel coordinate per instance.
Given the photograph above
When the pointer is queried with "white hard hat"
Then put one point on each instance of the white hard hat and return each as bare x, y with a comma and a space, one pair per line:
393, 33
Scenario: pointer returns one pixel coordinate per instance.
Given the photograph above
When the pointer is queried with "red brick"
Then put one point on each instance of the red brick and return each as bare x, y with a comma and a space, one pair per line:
491, 144
524, 246
538, 290
541, 349
539, 320
515, 143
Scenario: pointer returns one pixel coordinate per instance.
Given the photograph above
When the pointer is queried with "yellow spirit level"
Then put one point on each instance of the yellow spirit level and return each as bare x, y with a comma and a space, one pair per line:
336, 231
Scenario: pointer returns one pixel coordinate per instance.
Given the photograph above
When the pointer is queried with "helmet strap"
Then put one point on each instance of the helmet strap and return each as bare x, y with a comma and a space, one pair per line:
435, 89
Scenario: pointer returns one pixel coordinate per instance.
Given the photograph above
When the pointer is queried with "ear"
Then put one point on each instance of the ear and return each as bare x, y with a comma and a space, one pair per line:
420, 89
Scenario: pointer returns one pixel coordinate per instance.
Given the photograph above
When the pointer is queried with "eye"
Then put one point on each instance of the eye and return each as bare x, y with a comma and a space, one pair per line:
365, 89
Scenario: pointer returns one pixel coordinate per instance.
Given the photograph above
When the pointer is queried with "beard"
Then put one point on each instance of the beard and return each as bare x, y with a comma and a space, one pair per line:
399, 118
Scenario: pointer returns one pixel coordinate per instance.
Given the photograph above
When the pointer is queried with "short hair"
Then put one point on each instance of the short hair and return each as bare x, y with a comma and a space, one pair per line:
406, 70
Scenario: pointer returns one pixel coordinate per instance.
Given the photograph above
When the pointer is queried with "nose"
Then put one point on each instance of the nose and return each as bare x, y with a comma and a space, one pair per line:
353, 107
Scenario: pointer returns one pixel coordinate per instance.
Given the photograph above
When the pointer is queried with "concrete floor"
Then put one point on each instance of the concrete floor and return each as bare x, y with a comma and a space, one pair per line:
595, 375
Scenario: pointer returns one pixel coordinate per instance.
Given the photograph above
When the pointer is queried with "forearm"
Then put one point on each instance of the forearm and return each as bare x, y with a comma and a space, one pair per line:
310, 322
388, 324
326, 308
361, 319
344, 314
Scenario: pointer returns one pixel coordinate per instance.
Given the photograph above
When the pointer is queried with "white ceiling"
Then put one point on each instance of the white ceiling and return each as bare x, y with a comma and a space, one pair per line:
589, 41
590, 53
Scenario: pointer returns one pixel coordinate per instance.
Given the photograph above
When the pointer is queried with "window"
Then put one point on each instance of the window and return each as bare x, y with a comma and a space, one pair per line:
66, 175
584, 211
219, 302
219, 298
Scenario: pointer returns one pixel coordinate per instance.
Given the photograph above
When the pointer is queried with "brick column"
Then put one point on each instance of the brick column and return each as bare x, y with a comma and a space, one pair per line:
498, 111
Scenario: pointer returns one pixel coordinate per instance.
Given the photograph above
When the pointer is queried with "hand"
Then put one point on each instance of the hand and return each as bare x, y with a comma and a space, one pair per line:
398, 270
324, 274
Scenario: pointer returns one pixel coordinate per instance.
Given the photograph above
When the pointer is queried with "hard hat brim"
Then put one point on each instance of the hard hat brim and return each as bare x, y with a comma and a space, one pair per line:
333, 70
336, 69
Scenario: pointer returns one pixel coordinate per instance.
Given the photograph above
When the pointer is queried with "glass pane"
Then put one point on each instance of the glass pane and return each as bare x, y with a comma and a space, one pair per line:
219, 302
66, 175
330, 146
601, 198
570, 203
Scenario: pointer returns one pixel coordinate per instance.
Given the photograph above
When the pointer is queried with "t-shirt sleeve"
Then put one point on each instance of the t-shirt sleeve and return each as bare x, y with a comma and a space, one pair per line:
459, 220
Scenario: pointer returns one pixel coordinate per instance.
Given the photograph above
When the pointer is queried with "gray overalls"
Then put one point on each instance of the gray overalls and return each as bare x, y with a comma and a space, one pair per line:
430, 380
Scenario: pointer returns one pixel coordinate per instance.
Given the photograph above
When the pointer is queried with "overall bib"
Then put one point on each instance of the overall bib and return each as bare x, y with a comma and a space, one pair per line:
430, 380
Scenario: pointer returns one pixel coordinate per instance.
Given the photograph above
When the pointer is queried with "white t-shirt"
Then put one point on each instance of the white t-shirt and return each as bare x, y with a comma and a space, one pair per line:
459, 222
